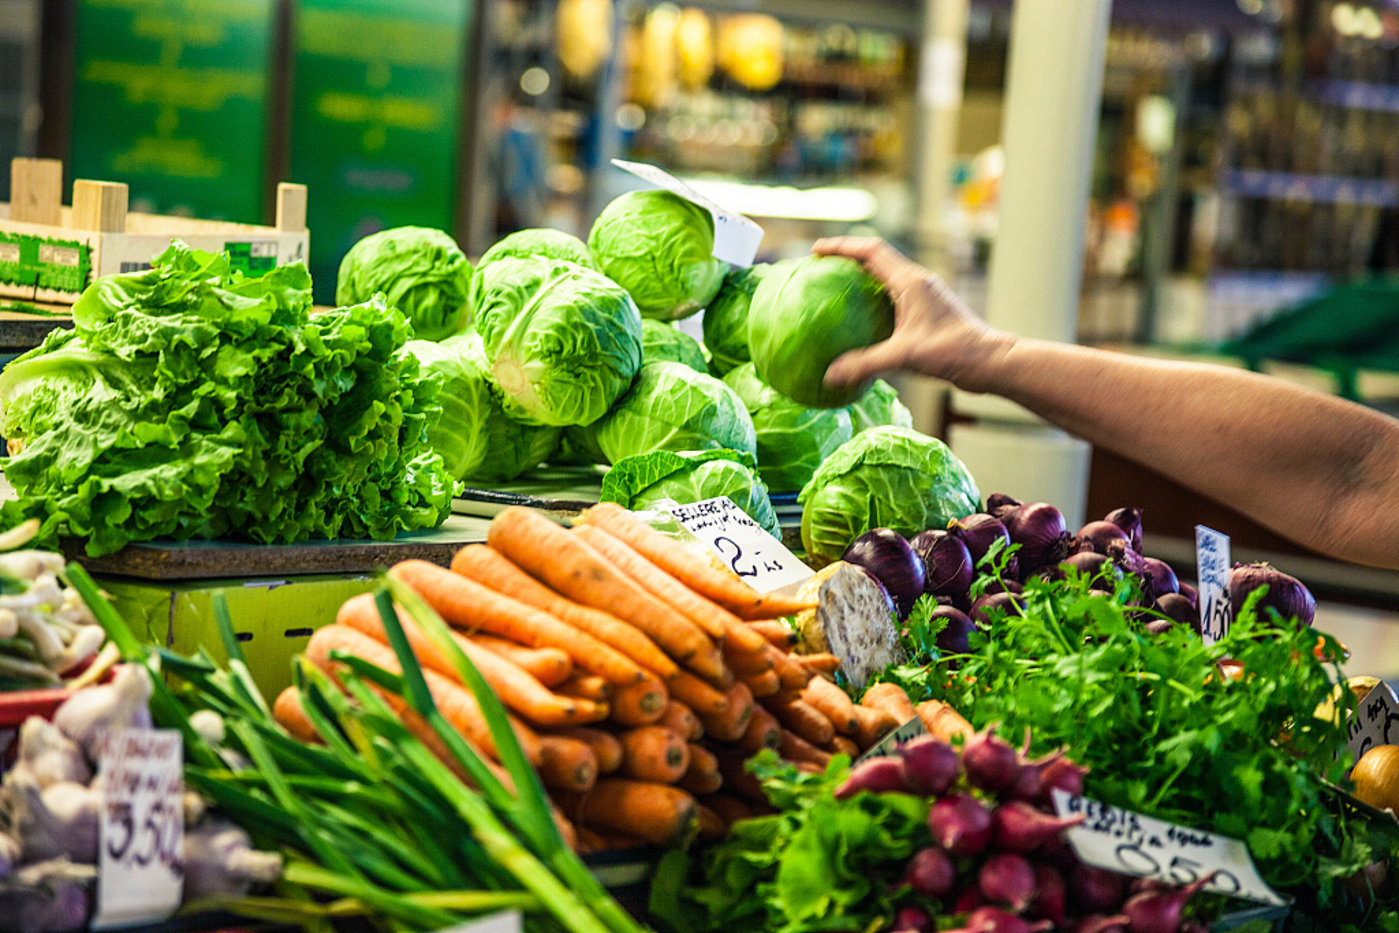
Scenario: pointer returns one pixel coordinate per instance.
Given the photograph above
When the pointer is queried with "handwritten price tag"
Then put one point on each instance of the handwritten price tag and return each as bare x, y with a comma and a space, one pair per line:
736, 238
1212, 572
900, 736
507, 921
1376, 721
140, 862
1132, 844
742, 544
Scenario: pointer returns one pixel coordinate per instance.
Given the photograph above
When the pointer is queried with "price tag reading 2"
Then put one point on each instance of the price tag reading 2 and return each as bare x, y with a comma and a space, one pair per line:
1212, 572
1132, 844
141, 857
741, 543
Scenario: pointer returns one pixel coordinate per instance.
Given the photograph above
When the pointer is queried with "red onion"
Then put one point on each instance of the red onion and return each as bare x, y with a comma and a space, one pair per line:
1178, 609
1163, 578
947, 564
954, 637
1189, 592
1130, 521
1040, 531
1095, 537
985, 607
886, 555
999, 505
1091, 563
979, 532
1286, 594
1000, 585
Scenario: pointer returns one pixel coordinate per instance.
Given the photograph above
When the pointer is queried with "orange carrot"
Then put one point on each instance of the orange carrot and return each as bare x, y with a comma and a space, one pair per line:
654, 753
795, 748
844, 745
778, 633
689, 568
549, 666
679, 718
641, 703
567, 763
607, 748
833, 703
823, 663
764, 731
749, 663
590, 841
655, 581
729, 807
574, 568
697, 695
874, 724
703, 776
658, 813
892, 699
515, 687
711, 824
730, 725
766, 684
794, 676
471, 606
609, 841
942, 721
456, 703
492, 569
291, 717
588, 686
805, 720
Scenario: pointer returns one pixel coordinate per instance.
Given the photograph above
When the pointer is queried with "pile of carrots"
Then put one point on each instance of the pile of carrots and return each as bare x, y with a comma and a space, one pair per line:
639, 677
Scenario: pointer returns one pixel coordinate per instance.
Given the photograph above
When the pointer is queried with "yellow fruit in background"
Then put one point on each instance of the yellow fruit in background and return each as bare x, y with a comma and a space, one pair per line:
584, 29
655, 84
695, 45
750, 49
1376, 777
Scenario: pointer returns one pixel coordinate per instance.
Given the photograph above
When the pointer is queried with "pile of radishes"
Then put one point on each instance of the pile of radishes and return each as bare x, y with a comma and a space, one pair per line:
997, 852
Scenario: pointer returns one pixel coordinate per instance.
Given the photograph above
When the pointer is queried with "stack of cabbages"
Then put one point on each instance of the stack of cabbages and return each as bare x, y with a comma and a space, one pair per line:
566, 352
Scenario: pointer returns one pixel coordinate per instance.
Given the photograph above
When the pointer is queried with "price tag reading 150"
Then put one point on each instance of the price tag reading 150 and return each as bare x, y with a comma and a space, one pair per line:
741, 543
1212, 573
1132, 844
141, 858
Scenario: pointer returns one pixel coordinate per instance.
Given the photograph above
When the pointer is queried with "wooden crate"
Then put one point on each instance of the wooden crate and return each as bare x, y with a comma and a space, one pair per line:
49, 253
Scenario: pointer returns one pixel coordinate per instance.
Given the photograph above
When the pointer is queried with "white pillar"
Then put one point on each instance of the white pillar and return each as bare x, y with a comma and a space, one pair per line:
1053, 94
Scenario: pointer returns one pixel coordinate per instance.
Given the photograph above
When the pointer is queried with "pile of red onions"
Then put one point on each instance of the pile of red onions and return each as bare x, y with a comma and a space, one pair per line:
997, 852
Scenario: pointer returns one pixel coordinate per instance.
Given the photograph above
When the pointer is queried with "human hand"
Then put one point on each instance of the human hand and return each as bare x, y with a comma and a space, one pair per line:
935, 333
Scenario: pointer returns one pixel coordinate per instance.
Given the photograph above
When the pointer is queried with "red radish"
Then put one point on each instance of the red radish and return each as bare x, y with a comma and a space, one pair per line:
930, 873
967, 901
914, 919
1018, 827
960, 824
1095, 889
1051, 896
1130, 521
1099, 923
1006, 878
930, 766
1029, 783
1061, 774
995, 920
991, 763
1160, 911
877, 774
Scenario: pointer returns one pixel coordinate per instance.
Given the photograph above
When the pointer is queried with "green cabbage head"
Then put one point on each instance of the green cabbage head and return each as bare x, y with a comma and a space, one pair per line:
660, 248
886, 477
539, 243
563, 341
672, 407
805, 313
420, 271
726, 319
477, 439
663, 342
793, 440
643, 480
879, 405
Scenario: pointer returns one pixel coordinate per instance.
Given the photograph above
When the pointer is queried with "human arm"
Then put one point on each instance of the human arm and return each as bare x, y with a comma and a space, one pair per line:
1316, 469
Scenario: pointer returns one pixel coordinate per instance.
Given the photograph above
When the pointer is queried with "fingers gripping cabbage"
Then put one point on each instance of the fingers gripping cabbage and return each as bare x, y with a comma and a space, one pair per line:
661, 342
659, 247
563, 341
886, 477
792, 439
421, 273
643, 480
805, 313
475, 436
672, 407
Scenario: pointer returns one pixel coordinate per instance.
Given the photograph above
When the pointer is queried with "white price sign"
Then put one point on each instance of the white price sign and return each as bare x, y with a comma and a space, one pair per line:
761, 560
1132, 844
140, 862
900, 736
1376, 721
736, 238
1212, 572
507, 921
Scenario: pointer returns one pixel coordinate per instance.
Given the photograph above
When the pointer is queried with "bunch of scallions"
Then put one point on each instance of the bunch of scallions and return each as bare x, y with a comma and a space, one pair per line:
371, 824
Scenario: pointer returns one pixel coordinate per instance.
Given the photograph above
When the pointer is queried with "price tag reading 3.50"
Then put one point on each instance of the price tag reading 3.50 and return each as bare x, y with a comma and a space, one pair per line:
141, 857
1212, 572
1132, 844
742, 544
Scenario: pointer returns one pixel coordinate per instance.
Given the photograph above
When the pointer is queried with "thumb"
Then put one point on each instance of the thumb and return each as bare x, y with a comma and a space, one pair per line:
856, 366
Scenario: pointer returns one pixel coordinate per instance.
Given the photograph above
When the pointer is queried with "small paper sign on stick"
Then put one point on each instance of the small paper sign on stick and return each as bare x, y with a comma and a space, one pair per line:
1212, 572
736, 238
1376, 721
760, 560
140, 861
900, 736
